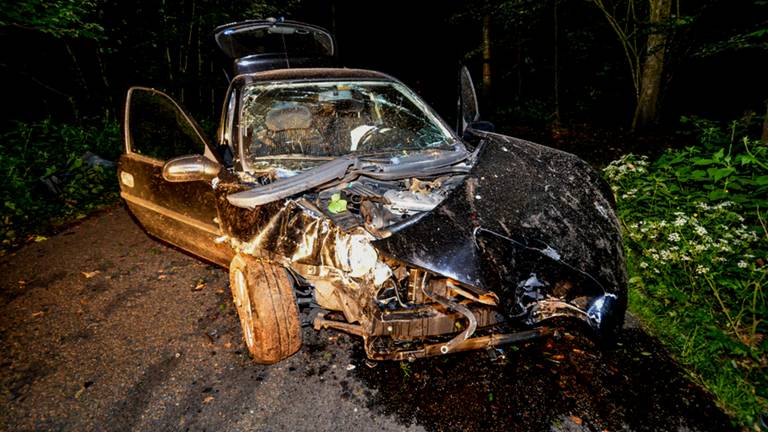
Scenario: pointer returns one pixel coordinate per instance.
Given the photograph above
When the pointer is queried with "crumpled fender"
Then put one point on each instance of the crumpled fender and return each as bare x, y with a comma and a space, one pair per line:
529, 223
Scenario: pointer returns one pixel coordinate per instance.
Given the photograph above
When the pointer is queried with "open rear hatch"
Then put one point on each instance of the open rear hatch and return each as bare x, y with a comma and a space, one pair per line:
259, 45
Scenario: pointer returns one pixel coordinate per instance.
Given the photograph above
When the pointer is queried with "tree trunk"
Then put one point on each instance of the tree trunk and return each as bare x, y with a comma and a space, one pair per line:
486, 56
650, 82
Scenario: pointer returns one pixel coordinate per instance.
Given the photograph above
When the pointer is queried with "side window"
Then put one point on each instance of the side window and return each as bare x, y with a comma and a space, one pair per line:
157, 127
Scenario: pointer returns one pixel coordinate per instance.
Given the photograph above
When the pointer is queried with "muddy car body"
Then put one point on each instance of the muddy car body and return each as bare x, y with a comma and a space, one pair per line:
340, 190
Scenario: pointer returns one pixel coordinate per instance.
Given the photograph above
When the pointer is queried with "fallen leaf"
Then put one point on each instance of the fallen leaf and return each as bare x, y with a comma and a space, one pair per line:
227, 345
577, 420
39, 238
558, 357
162, 276
350, 367
37, 314
208, 399
89, 275
200, 285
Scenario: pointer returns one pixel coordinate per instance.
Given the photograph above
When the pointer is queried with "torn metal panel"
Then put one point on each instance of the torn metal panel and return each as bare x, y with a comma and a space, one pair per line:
524, 211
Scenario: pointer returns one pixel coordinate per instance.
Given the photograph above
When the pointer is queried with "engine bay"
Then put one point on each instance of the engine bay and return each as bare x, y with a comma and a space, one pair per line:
383, 206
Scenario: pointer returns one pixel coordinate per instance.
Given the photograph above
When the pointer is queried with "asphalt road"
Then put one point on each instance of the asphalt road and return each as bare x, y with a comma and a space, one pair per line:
103, 328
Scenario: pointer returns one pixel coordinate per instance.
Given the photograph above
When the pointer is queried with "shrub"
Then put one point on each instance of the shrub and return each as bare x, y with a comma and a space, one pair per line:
45, 179
696, 243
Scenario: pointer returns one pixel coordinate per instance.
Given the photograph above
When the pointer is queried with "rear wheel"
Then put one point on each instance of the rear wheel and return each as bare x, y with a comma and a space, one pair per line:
265, 302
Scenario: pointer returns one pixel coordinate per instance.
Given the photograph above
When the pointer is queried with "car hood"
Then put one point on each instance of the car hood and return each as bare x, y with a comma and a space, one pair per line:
524, 209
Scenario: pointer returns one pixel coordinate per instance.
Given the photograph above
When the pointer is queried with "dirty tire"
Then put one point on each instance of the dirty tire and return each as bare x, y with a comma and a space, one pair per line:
265, 302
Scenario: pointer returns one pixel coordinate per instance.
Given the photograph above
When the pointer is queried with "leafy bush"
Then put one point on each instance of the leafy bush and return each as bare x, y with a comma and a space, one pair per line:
46, 180
696, 245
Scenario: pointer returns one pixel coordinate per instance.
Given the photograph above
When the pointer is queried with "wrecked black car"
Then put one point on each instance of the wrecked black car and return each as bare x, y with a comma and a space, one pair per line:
342, 191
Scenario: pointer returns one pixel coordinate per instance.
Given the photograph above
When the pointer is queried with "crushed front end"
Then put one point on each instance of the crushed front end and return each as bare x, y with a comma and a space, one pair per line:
442, 251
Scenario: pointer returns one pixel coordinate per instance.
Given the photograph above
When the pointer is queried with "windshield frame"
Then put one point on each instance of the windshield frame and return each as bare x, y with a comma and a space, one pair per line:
453, 140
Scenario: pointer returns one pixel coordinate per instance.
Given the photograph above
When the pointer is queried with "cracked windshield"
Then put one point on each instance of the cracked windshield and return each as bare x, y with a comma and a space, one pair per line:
299, 125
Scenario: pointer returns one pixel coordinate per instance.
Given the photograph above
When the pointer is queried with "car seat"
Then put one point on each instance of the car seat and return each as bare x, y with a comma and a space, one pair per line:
290, 130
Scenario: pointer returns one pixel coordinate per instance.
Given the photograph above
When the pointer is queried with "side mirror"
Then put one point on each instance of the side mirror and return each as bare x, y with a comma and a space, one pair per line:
190, 168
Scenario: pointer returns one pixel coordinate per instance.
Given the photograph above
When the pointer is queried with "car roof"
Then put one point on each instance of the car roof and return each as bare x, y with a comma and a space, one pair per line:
315, 74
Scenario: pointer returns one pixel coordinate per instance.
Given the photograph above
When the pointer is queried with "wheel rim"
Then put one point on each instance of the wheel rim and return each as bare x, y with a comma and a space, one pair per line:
243, 304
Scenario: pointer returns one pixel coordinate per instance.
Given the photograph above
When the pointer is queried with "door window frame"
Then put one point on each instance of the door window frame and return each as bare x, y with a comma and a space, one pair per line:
207, 152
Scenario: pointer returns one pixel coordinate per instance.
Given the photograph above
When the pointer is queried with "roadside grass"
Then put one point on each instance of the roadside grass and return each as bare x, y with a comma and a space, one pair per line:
49, 176
697, 247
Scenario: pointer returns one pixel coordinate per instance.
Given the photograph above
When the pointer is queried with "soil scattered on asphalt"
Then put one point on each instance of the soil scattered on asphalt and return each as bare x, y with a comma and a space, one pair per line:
563, 384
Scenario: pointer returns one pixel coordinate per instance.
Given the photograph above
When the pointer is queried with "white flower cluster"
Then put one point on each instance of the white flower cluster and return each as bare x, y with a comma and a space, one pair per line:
691, 238
627, 165
632, 193
707, 238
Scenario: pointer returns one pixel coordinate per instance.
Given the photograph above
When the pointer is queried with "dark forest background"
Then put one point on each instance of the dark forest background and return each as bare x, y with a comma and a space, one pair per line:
669, 97
554, 62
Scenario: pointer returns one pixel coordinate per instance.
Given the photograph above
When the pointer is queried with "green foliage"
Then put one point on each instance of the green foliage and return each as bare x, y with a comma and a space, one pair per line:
696, 245
44, 179
59, 18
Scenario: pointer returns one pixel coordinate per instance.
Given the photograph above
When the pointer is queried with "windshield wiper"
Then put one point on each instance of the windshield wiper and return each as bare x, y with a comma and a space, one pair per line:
421, 164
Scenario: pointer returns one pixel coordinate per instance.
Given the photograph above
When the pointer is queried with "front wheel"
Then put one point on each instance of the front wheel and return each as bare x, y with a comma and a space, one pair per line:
265, 302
